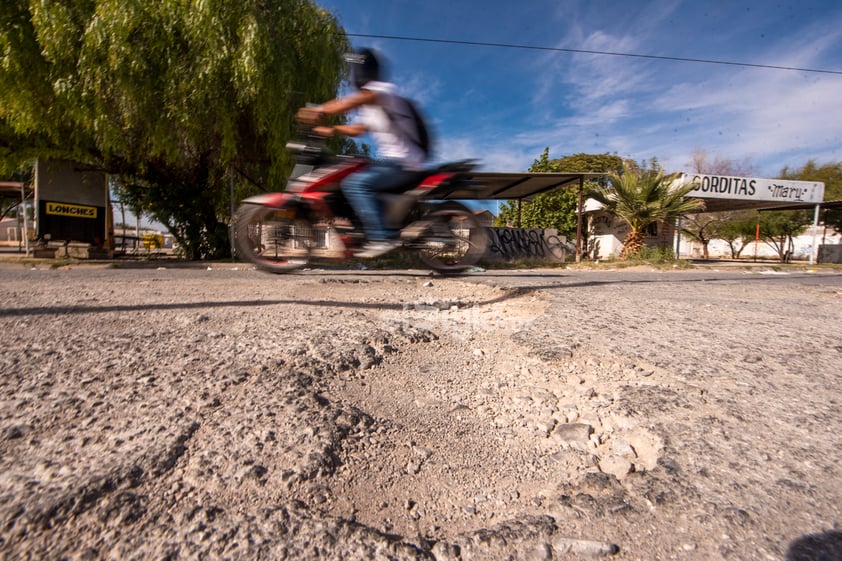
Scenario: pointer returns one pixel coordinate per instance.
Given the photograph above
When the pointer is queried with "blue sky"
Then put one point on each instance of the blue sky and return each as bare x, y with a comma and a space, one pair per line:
504, 106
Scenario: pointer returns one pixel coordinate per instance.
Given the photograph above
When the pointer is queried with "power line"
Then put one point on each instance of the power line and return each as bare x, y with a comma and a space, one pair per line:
590, 52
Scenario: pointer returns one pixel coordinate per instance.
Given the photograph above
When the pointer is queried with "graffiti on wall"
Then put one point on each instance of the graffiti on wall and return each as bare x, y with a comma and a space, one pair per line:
527, 243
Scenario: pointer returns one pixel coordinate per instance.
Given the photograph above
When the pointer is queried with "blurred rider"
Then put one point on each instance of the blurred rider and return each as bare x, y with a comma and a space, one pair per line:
383, 115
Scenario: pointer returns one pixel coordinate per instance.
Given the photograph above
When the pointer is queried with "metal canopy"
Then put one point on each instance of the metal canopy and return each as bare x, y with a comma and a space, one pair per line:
13, 189
720, 205
824, 205
507, 186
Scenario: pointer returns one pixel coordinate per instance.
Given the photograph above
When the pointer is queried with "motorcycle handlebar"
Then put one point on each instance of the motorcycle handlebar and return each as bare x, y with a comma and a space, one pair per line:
294, 146
306, 141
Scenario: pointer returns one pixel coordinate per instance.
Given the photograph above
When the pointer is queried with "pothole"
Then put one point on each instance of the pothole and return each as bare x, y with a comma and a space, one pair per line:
472, 428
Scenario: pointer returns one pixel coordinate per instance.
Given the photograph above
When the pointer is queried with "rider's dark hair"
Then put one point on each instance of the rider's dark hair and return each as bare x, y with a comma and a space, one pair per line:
365, 67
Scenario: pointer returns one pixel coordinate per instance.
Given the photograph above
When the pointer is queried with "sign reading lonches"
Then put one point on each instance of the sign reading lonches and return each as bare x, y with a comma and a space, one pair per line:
77, 211
65, 221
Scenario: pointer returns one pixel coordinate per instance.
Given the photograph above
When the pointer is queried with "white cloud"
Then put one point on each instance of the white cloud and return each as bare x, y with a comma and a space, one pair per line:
420, 87
492, 156
642, 108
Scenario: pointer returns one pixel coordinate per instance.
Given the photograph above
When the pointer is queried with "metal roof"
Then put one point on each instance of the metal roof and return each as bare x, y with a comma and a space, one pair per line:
507, 186
12, 189
824, 205
528, 185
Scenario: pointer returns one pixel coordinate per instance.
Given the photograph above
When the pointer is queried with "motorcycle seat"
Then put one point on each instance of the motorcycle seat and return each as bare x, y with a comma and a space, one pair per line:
410, 182
418, 176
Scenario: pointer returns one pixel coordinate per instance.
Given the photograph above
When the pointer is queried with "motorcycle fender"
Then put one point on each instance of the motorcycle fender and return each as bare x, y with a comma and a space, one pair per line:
276, 200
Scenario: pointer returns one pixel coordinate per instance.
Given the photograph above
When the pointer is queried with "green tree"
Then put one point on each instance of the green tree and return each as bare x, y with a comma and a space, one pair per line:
778, 228
703, 228
179, 100
831, 175
557, 209
738, 230
643, 196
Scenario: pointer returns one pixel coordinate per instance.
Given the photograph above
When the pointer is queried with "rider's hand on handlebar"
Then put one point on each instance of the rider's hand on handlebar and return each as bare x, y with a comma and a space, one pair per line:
310, 115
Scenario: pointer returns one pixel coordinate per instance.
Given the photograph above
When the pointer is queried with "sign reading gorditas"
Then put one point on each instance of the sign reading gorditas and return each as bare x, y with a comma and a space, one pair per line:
753, 188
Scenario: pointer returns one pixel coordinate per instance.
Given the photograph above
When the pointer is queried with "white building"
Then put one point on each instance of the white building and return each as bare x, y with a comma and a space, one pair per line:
606, 233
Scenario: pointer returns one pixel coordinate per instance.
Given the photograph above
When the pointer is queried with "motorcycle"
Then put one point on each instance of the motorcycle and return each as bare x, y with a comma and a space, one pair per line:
311, 219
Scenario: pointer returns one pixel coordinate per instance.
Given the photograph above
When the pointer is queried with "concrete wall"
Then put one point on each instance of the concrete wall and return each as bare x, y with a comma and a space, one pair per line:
718, 249
830, 253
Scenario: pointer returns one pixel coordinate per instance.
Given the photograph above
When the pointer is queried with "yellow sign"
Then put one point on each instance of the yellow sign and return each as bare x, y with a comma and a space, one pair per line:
153, 241
76, 211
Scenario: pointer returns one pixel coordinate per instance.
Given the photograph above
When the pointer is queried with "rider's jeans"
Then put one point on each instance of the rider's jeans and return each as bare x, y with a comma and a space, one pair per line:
361, 190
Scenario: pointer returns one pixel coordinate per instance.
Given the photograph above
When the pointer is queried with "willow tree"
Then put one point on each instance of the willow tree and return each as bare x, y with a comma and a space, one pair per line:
642, 197
179, 100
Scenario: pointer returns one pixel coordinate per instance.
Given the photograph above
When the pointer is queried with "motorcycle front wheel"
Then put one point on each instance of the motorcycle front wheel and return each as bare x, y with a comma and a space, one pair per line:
454, 240
277, 240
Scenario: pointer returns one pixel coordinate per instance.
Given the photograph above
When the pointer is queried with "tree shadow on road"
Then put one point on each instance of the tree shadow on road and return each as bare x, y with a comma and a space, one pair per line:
509, 290
826, 546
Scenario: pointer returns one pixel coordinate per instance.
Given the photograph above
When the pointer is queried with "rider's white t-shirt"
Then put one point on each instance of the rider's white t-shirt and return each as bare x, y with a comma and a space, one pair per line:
391, 142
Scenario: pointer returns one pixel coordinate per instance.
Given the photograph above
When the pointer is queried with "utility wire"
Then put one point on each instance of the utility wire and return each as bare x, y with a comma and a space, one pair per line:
589, 52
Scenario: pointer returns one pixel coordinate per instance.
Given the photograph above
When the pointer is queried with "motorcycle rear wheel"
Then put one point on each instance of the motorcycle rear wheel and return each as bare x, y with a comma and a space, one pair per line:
455, 240
277, 240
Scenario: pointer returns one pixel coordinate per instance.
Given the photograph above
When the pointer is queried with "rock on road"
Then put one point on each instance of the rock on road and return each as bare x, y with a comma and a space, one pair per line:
182, 412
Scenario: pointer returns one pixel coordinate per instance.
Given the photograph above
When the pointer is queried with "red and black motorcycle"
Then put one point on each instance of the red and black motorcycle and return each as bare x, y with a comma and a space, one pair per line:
311, 219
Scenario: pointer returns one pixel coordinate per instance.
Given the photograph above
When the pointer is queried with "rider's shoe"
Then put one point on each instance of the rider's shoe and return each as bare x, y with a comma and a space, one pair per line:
376, 248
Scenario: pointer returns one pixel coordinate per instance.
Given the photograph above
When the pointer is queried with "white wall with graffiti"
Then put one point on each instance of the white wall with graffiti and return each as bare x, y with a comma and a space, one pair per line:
514, 244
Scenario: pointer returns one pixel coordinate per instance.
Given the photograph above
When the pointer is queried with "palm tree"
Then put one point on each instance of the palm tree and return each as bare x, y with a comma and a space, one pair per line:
640, 197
